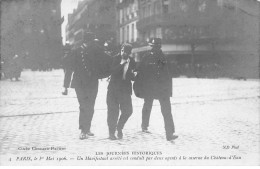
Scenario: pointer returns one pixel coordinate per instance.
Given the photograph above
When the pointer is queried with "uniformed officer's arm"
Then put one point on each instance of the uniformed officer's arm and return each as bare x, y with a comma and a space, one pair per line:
67, 76
71, 60
71, 66
140, 66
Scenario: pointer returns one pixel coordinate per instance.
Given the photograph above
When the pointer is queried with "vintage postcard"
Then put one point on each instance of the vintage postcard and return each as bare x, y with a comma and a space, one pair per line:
129, 82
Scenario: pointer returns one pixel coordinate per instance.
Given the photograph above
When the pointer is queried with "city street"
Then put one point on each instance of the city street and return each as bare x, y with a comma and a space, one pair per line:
213, 117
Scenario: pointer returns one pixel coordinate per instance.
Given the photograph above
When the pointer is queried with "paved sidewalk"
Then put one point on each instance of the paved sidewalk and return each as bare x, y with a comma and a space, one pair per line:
208, 114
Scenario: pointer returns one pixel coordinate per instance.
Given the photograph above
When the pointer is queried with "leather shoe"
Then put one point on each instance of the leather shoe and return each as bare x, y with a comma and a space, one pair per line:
146, 131
89, 133
112, 137
119, 134
65, 92
82, 136
171, 137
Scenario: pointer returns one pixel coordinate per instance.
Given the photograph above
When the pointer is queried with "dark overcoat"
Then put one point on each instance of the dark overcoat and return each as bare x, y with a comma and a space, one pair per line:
117, 83
154, 79
89, 63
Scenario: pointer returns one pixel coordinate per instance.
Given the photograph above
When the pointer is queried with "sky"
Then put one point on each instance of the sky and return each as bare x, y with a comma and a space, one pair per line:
67, 7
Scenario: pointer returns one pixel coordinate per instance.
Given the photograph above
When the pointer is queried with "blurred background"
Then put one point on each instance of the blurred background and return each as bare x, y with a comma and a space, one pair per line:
201, 38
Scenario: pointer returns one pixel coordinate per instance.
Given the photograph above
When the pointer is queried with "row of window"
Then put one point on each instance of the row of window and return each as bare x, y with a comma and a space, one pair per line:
128, 33
158, 7
128, 13
152, 9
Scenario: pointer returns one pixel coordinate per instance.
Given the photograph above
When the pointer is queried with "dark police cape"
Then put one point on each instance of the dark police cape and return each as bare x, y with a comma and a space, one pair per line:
153, 79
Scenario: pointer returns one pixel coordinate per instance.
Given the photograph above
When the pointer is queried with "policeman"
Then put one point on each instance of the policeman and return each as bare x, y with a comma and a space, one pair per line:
85, 65
157, 84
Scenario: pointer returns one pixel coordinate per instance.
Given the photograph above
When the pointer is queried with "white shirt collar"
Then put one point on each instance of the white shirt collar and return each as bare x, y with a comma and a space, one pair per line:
128, 60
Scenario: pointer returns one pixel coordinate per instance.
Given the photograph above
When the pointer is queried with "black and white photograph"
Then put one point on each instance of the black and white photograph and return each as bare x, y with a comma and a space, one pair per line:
129, 83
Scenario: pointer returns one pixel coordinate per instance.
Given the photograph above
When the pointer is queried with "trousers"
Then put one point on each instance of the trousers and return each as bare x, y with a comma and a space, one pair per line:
116, 101
67, 78
86, 97
166, 112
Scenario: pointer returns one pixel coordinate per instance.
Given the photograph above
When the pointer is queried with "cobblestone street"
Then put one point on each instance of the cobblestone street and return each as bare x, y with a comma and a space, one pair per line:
209, 115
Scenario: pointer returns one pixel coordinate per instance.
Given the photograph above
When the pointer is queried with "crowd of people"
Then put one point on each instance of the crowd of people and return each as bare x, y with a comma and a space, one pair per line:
12, 68
85, 64
200, 70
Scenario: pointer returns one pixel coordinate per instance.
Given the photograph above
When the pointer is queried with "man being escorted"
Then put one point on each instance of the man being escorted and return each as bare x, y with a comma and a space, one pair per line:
153, 72
86, 63
120, 91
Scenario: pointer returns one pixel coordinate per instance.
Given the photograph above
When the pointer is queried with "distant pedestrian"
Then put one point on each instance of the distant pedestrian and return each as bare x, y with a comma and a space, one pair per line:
15, 67
2, 75
120, 91
155, 82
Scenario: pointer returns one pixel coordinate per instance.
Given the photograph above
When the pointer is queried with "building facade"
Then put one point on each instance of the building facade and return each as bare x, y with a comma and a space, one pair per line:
127, 18
214, 34
210, 32
97, 16
32, 28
